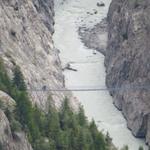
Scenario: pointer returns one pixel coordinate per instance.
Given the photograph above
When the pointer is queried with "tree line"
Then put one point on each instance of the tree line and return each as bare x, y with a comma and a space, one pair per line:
54, 130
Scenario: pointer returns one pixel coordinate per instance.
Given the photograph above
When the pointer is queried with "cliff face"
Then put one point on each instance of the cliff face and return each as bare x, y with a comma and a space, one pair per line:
128, 62
26, 29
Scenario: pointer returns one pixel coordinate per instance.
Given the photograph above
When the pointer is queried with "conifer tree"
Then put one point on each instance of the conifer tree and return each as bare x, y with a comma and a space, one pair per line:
65, 115
18, 80
52, 124
81, 116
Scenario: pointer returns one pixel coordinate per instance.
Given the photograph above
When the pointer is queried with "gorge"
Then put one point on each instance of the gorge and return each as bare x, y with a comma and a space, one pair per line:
90, 66
53, 45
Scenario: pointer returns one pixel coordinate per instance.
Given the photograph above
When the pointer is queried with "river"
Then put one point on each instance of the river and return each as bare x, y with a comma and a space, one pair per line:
69, 16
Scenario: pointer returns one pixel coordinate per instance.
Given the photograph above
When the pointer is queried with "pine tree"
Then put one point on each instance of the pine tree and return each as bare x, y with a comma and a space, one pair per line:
52, 125
81, 117
81, 140
63, 140
26, 115
18, 80
40, 120
65, 115
98, 138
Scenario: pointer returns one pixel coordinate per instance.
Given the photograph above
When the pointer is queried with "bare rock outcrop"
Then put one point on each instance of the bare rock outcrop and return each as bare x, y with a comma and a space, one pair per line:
128, 62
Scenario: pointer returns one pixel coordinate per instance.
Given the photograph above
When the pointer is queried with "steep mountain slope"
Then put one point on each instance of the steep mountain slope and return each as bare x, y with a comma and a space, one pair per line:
127, 62
26, 29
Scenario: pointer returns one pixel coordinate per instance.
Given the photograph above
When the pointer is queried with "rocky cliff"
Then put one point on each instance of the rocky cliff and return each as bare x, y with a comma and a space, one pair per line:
128, 62
26, 29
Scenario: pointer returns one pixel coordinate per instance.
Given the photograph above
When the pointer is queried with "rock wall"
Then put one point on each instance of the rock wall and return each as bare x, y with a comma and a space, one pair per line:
128, 62
26, 28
